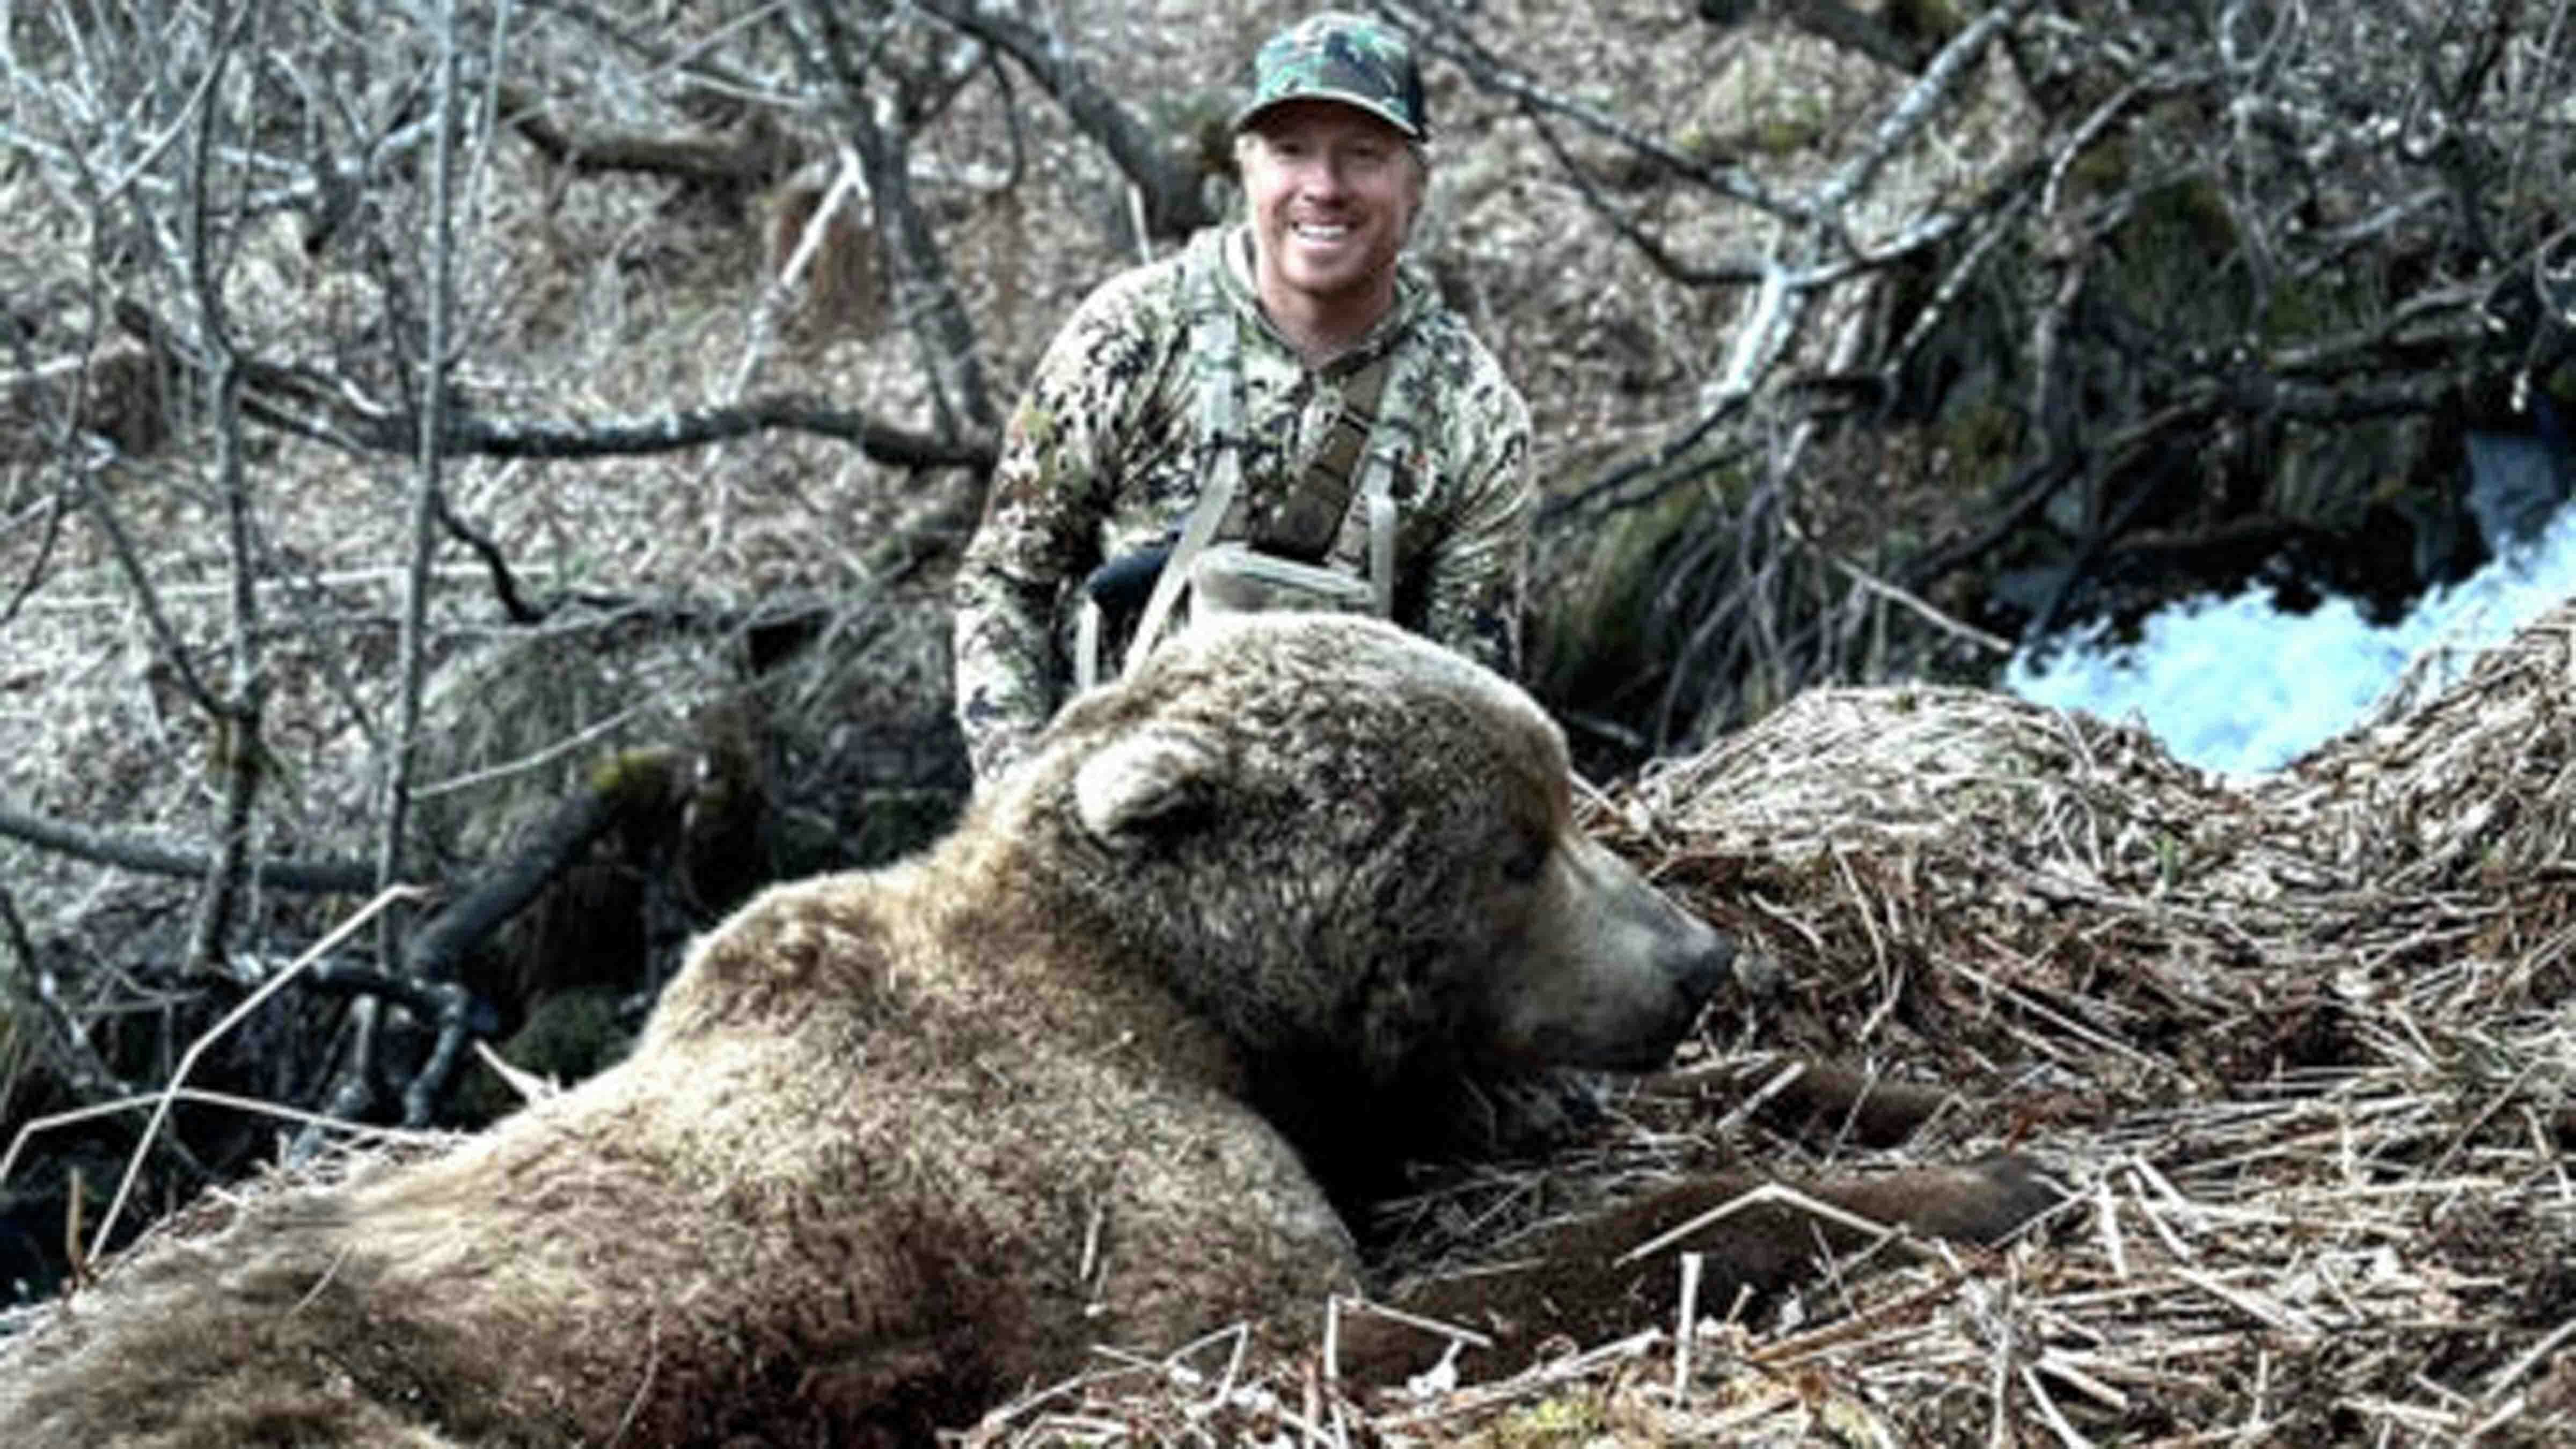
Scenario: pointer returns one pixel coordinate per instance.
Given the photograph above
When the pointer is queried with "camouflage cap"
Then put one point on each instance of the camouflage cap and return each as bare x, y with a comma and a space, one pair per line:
1338, 56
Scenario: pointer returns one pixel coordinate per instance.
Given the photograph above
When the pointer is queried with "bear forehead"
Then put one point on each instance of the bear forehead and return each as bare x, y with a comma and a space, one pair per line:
1338, 652
1337, 660
1338, 683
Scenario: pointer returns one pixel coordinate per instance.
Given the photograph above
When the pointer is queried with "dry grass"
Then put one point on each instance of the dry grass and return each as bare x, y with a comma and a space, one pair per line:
2301, 1045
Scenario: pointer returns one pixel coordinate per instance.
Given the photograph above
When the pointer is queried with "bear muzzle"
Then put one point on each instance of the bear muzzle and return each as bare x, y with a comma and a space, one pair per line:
1611, 973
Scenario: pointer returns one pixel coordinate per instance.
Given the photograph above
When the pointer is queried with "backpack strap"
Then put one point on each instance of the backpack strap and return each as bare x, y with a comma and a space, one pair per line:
1392, 434
1310, 518
1216, 345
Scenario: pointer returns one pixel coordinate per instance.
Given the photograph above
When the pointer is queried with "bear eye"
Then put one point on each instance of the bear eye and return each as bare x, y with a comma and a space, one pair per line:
1529, 861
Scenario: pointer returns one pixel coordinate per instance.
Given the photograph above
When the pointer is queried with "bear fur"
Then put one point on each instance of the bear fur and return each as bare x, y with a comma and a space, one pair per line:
896, 1145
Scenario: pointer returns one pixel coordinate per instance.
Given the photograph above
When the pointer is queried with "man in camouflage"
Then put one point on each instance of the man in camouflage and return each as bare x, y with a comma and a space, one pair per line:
1108, 449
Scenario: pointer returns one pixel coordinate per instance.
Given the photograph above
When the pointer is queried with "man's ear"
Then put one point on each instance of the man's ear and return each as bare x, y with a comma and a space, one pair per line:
1146, 785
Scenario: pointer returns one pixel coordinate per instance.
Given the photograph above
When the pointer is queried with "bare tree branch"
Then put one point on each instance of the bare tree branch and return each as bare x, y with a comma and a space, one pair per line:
132, 853
1166, 175
1442, 30
1739, 272
1915, 109
443, 1004
242, 753
834, 65
753, 158
35, 998
331, 410
621, 791
696, 427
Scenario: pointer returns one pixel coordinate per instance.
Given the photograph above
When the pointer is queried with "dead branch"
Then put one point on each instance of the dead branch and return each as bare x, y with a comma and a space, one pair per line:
240, 714
833, 61
443, 1005
1914, 110
133, 853
1166, 175
50, 411
129, 557
1442, 30
624, 791
114, 392
313, 403
754, 156
697, 427
628, 791
1737, 272
35, 997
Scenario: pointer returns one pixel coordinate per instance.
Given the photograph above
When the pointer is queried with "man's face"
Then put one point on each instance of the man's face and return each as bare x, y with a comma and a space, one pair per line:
1332, 191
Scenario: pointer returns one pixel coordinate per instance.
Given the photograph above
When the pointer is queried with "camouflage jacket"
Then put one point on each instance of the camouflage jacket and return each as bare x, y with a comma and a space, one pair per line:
1103, 456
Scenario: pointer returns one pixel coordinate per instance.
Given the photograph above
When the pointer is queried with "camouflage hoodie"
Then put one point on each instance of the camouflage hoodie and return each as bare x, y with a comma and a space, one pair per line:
1103, 456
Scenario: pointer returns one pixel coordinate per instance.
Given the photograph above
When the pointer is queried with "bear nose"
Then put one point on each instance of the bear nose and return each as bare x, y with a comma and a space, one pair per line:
1706, 964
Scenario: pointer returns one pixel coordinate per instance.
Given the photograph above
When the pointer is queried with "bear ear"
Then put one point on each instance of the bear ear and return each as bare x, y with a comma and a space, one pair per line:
1146, 784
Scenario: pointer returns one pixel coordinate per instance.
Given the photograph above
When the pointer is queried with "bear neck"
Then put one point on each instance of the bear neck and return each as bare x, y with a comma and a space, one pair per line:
1325, 1071
1069, 964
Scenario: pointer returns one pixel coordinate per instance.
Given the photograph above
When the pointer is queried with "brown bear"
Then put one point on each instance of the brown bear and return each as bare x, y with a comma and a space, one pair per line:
895, 1145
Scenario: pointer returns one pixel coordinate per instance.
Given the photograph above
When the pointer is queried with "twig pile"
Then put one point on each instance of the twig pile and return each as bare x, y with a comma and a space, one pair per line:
2301, 1046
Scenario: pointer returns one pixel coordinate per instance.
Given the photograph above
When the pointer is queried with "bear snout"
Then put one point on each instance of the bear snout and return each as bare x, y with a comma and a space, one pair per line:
1612, 974
1626, 915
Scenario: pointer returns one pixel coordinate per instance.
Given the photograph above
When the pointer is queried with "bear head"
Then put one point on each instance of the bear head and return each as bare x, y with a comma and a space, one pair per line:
1354, 851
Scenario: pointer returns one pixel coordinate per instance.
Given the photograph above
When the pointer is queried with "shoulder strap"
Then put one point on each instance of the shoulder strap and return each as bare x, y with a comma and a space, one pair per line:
1216, 347
1390, 435
1309, 520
